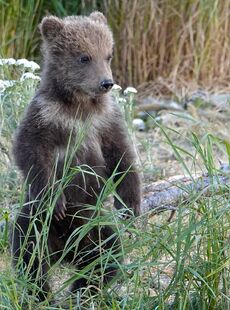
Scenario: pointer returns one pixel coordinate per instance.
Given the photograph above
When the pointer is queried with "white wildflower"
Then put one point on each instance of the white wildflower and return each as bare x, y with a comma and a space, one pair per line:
122, 100
130, 90
2, 85
29, 75
27, 64
6, 83
34, 66
10, 61
7, 61
22, 62
116, 87
9, 83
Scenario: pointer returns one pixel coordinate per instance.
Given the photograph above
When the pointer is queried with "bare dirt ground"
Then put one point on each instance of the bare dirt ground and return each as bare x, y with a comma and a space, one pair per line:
158, 157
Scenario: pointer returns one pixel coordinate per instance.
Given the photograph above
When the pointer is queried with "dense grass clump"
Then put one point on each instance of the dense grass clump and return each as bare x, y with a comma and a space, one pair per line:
181, 264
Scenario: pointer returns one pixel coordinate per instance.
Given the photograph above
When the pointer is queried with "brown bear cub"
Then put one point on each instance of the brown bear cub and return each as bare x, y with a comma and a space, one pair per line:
74, 91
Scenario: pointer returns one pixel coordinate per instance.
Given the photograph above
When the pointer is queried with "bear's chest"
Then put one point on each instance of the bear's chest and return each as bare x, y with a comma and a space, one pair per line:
85, 149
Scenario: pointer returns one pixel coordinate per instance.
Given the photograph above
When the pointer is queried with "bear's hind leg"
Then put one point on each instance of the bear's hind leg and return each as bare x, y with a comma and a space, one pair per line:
28, 259
89, 251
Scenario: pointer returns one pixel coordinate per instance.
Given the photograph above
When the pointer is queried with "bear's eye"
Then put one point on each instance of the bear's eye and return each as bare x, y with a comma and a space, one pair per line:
84, 59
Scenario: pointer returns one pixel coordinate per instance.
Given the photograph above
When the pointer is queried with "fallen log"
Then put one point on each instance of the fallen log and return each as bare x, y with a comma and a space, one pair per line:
168, 194
158, 106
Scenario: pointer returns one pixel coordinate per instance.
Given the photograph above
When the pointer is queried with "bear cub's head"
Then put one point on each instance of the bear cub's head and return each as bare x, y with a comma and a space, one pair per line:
77, 53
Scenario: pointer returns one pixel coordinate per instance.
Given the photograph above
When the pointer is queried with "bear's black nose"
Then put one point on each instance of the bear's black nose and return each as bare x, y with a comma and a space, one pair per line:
106, 85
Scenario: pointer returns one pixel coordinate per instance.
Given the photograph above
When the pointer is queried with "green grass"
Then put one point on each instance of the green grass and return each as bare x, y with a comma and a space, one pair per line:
182, 264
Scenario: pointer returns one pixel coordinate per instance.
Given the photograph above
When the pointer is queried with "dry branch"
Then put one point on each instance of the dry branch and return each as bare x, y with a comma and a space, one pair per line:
168, 194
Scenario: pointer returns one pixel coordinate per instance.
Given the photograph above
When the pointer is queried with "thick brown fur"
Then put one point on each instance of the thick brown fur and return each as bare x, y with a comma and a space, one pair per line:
77, 52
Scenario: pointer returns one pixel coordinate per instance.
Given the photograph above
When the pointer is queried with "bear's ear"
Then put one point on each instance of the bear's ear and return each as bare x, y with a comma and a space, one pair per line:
50, 27
98, 17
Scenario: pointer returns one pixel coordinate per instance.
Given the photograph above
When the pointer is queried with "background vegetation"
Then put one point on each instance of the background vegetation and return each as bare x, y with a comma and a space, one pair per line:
180, 40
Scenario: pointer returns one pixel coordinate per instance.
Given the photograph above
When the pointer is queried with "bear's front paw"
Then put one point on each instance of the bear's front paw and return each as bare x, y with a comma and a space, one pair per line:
60, 208
136, 208
128, 212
